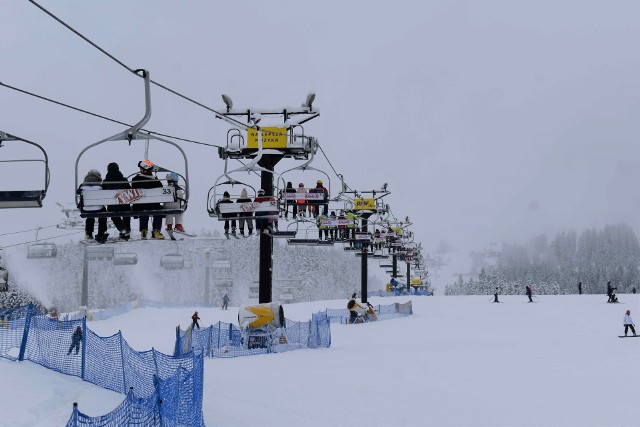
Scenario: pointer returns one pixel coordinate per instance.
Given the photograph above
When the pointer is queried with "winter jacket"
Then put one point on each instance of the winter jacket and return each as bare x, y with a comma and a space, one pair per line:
142, 180
244, 198
77, 336
627, 319
114, 180
225, 199
92, 182
300, 191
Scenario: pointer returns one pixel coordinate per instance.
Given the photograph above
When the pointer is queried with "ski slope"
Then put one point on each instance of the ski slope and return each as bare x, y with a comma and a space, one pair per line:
458, 361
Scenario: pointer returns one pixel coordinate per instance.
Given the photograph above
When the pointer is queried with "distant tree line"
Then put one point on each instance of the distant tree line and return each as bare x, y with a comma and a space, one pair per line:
593, 258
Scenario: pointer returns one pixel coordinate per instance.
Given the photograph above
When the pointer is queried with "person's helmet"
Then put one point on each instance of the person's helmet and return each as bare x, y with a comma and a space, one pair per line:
319, 182
172, 177
145, 165
261, 192
301, 185
628, 311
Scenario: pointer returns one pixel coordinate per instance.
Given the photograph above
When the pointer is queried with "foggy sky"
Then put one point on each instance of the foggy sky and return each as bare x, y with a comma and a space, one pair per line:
491, 121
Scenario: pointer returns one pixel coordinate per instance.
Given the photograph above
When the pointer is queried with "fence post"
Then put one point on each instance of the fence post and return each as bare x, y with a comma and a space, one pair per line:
130, 401
124, 378
74, 414
84, 346
25, 332
176, 349
219, 333
210, 342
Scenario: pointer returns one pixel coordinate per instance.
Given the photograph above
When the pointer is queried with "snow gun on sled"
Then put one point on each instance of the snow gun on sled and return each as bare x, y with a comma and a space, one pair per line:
257, 316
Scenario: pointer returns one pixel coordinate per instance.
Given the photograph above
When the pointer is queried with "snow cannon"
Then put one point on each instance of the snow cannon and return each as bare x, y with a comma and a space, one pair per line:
256, 316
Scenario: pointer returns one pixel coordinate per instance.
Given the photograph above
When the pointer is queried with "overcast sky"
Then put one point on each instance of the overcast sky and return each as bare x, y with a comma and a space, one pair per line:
491, 121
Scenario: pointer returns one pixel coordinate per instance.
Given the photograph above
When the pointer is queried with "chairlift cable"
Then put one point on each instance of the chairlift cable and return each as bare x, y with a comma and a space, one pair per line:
39, 240
44, 98
131, 70
334, 169
26, 231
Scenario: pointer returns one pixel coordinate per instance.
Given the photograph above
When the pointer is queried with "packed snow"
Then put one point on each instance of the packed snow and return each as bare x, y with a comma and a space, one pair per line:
457, 361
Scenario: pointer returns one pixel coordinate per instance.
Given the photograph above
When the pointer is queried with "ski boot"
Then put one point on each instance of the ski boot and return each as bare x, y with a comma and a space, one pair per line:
144, 233
157, 235
180, 228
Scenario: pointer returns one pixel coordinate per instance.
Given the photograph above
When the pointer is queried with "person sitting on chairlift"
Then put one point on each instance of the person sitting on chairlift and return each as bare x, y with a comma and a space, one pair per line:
172, 181
302, 203
93, 182
114, 180
244, 198
146, 179
226, 198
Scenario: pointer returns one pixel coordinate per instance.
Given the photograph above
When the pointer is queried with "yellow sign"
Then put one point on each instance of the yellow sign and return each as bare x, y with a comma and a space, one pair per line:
272, 137
364, 204
398, 231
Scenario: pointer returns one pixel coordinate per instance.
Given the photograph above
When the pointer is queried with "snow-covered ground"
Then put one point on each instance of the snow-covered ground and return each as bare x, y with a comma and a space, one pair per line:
458, 361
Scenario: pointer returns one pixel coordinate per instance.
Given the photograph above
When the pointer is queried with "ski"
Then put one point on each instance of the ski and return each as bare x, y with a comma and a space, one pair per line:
186, 234
171, 235
628, 336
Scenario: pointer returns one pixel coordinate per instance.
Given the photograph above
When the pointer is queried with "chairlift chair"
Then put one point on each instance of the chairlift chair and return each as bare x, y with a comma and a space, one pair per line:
42, 250
124, 258
130, 197
24, 198
172, 262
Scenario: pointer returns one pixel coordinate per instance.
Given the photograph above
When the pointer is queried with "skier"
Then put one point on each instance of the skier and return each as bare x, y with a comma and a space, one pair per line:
145, 179
628, 323
225, 301
579, 288
226, 198
194, 320
610, 294
529, 293
93, 181
633, 291
244, 198
290, 200
495, 295
75, 340
172, 181
114, 180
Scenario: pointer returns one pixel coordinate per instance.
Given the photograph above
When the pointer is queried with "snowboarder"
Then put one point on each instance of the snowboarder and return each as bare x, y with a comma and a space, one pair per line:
114, 180
529, 293
495, 295
194, 320
579, 288
225, 301
75, 340
628, 323
610, 293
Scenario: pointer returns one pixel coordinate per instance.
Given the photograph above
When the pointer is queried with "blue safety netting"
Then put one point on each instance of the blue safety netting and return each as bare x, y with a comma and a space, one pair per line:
163, 389
383, 312
12, 321
227, 340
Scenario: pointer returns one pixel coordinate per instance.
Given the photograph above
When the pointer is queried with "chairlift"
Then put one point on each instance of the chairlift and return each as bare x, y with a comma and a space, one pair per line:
310, 239
124, 258
99, 252
42, 250
172, 262
129, 197
24, 198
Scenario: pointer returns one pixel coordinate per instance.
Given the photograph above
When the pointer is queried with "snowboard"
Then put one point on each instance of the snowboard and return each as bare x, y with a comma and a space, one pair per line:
628, 336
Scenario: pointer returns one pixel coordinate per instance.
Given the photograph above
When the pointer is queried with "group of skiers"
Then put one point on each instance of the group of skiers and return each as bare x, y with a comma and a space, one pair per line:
300, 205
115, 180
245, 217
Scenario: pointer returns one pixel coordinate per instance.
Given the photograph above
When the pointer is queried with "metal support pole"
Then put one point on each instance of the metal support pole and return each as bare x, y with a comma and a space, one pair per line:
268, 162
364, 261
84, 299
395, 265
409, 276
207, 280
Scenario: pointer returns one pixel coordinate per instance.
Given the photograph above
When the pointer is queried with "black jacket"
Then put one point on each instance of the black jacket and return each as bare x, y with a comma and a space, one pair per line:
146, 181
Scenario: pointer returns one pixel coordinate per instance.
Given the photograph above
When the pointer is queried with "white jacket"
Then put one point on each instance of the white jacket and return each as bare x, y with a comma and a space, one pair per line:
627, 319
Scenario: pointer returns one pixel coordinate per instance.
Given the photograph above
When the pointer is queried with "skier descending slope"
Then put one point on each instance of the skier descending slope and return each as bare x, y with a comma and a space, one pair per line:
627, 321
